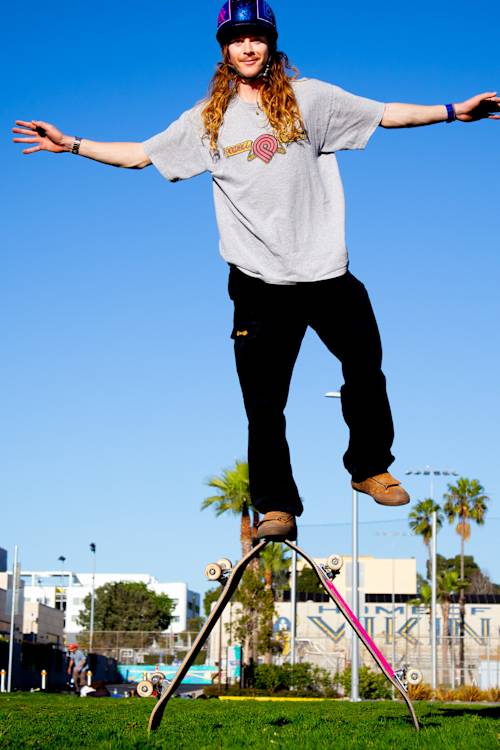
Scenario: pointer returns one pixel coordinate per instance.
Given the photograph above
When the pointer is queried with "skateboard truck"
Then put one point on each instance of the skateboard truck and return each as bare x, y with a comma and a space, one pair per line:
400, 675
333, 566
219, 571
408, 676
229, 577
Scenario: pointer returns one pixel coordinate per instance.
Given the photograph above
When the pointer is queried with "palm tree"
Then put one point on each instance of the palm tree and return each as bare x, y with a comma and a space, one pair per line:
234, 497
424, 599
448, 583
421, 521
274, 562
466, 502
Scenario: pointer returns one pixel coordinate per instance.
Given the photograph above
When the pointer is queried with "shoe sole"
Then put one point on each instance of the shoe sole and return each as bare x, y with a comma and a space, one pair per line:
394, 504
382, 501
275, 531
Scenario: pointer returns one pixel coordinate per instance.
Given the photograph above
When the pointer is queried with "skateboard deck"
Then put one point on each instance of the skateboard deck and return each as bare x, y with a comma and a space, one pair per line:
230, 583
227, 592
358, 629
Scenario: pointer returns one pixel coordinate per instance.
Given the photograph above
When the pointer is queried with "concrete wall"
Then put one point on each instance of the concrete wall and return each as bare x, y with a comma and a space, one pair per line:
376, 575
5, 606
44, 624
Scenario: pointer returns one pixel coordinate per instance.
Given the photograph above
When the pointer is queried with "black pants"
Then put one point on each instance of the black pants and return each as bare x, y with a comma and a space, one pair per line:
269, 324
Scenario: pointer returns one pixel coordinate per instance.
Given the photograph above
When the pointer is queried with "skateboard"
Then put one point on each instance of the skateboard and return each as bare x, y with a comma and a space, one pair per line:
230, 577
400, 678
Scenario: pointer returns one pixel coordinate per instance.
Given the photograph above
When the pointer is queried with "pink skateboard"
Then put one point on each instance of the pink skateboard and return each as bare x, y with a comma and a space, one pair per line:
230, 577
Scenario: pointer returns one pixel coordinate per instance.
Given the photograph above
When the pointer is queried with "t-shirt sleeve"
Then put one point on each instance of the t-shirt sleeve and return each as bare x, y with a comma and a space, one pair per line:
351, 120
180, 152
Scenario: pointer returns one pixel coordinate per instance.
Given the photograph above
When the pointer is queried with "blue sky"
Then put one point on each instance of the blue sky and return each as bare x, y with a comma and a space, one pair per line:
119, 393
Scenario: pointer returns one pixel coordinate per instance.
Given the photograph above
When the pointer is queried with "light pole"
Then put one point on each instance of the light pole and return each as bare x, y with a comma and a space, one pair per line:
354, 585
293, 607
92, 595
13, 613
393, 618
431, 473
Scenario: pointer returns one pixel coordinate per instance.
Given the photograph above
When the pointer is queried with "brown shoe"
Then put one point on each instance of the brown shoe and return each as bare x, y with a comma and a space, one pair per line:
384, 488
277, 525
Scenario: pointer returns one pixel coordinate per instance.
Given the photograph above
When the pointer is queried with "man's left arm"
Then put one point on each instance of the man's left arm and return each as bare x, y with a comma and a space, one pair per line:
479, 107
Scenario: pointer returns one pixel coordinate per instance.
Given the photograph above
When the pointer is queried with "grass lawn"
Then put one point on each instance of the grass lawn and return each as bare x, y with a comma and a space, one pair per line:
64, 722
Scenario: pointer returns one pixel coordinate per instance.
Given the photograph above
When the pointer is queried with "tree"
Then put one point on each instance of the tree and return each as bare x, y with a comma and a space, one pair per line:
233, 489
448, 583
480, 583
274, 563
466, 502
421, 520
127, 606
307, 581
211, 595
446, 564
424, 598
253, 625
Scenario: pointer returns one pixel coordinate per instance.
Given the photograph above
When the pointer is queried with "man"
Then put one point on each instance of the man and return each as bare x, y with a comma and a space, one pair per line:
269, 140
76, 666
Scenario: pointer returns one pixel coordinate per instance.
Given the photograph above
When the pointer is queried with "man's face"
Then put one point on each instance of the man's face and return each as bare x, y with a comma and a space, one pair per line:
249, 54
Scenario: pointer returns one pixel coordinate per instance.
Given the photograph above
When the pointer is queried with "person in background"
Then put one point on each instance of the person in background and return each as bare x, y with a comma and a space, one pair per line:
77, 666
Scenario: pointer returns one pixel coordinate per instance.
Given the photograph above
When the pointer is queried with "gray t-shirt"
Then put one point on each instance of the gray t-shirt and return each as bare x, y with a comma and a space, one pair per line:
279, 207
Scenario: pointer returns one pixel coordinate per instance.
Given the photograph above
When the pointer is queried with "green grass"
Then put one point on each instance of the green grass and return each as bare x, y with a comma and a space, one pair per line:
64, 722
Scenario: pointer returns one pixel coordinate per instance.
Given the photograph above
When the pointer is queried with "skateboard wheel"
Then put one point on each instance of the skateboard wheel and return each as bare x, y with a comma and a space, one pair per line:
145, 689
414, 676
225, 563
156, 677
213, 572
335, 562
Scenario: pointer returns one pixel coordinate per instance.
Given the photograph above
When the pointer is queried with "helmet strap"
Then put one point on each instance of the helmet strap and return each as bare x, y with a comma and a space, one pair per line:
263, 74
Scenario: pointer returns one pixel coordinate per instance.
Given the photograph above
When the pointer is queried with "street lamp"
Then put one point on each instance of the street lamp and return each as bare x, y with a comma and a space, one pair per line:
354, 585
62, 560
92, 595
431, 473
393, 623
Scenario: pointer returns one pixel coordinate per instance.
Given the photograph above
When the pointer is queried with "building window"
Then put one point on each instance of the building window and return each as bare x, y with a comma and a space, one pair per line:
60, 600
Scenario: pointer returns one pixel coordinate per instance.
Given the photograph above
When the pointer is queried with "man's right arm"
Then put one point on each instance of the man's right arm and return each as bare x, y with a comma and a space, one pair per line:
46, 137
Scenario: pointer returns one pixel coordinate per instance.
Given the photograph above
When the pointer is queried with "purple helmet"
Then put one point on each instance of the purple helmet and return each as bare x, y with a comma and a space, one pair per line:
238, 16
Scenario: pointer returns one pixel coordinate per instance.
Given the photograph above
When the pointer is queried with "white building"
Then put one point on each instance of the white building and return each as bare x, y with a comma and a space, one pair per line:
6, 600
43, 624
66, 591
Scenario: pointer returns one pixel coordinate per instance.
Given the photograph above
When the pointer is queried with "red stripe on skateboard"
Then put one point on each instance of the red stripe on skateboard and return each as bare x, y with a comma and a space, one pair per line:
355, 620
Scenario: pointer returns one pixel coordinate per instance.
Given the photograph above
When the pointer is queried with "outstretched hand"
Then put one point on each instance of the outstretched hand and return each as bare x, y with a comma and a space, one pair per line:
479, 107
46, 137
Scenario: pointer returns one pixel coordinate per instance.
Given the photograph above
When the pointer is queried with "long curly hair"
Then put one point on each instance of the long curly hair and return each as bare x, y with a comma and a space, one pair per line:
276, 99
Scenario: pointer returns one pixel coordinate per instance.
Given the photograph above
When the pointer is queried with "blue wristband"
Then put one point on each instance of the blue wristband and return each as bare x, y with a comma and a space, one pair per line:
452, 115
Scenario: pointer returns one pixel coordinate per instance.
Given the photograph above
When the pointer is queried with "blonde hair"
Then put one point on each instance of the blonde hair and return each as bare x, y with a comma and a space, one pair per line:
276, 99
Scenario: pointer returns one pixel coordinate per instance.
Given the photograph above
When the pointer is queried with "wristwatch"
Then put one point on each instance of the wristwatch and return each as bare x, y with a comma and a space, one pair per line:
76, 145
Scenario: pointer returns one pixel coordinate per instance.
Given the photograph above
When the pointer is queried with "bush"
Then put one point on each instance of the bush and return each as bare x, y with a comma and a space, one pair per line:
304, 678
371, 686
468, 693
421, 692
270, 677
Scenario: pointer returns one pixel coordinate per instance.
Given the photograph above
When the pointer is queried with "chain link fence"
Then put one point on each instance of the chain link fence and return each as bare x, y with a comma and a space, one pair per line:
137, 647
481, 666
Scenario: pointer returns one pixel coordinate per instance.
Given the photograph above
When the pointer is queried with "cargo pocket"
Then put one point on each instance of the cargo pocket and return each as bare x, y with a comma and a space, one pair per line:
245, 331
